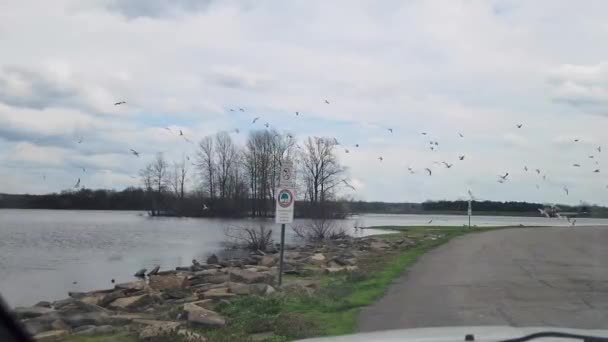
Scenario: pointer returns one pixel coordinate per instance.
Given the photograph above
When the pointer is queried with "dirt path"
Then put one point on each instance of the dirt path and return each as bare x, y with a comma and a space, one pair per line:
519, 277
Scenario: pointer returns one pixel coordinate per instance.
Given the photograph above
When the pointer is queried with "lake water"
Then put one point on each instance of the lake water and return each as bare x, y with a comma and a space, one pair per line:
43, 252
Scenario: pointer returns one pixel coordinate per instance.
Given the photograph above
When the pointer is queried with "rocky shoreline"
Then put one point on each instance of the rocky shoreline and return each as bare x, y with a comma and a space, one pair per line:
183, 300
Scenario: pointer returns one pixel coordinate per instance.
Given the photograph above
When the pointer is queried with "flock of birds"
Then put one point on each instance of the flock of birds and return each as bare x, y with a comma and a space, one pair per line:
433, 145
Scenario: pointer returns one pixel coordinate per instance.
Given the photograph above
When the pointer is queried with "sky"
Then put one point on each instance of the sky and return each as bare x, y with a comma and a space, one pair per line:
478, 68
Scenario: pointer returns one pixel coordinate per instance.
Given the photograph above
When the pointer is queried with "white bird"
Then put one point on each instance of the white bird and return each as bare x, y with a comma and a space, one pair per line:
346, 150
537, 171
119, 103
390, 130
205, 207
327, 102
423, 133
573, 222
544, 212
471, 194
236, 130
461, 157
526, 168
255, 119
544, 177
241, 109
460, 134
410, 170
336, 141
599, 149
429, 171
380, 158
168, 129
576, 165
80, 141
135, 153
267, 125
348, 185
77, 183
591, 157
447, 165
181, 133
505, 176
566, 190
519, 125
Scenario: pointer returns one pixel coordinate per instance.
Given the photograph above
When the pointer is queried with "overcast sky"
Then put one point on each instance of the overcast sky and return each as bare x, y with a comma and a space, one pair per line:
442, 67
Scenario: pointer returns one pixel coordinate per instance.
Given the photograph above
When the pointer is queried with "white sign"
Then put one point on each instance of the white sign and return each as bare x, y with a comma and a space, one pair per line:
287, 177
286, 198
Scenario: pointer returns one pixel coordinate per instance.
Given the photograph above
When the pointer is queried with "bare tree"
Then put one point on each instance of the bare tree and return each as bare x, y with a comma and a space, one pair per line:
226, 162
321, 171
253, 238
178, 178
319, 229
160, 173
207, 164
146, 175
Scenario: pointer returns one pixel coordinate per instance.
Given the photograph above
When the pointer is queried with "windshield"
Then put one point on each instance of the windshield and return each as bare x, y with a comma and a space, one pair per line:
275, 171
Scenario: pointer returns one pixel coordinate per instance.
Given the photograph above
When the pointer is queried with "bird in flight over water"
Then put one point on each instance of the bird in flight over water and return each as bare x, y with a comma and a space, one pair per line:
255, 119
519, 125
327, 102
460, 134
241, 109
538, 171
526, 168
423, 133
576, 140
430, 221
120, 103
380, 158
447, 165
346, 150
599, 149
596, 170
461, 157
348, 185
505, 176
297, 113
410, 170
135, 153
576, 165
566, 190
77, 183
390, 130
429, 171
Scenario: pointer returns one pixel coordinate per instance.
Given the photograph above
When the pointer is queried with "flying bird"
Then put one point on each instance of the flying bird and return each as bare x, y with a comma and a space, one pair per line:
576, 165
255, 119
187, 158
447, 165
297, 113
327, 102
188, 140
591, 157
348, 185
460, 134
461, 157
576, 140
423, 133
83, 169
267, 125
168, 129
336, 141
237, 131
205, 207
436, 143
537, 171
346, 150
566, 190
432, 148
519, 125
599, 149
232, 109
77, 183
181, 133
544, 177
135, 153
501, 181
119, 103
241, 109
544, 212
429, 171
430, 221
380, 158
356, 145
410, 170
80, 141
471, 194
390, 130
505, 176
596, 170
526, 168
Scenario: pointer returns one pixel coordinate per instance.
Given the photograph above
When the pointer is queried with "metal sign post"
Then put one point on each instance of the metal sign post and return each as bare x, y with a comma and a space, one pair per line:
285, 201
470, 212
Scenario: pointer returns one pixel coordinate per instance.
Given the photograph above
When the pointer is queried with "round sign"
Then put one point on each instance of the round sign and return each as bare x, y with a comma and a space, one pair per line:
285, 198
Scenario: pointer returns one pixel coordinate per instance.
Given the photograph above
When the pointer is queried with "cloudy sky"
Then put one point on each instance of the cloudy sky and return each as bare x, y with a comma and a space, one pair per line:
442, 67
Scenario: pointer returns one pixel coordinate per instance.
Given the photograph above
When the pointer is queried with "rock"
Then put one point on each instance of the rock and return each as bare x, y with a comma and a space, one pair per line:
31, 311
154, 270
169, 281
376, 245
249, 277
77, 295
268, 260
204, 287
208, 304
53, 335
213, 279
339, 261
269, 290
183, 268
43, 304
334, 269
130, 303
59, 304
36, 326
219, 293
203, 273
87, 318
317, 258
213, 259
59, 324
191, 336
239, 288
137, 285
110, 297
158, 329
200, 316
176, 293
260, 289
83, 328
141, 273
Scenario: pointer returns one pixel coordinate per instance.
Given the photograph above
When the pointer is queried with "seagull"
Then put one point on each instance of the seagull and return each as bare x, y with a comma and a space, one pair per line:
591, 157
232, 109
187, 158
596, 170
432, 148
526, 168
429, 171
410, 170
336, 141
430, 221
346, 150
327, 102
290, 136
460, 134
119, 103
576, 140
537, 187
423, 133
471, 194
461, 157
181, 133
348, 185
80, 140
505, 176
241, 109
205, 207
255, 119
356, 145
168, 129
77, 183
267, 125
573, 222
83, 169
380, 158
112, 281
501, 181
599, 149
436, 143
544, 177
576, 165
447, 165
236, 130
297, 113
135, 153
390, 130
544, 212
519, 125
566, 190
538, 171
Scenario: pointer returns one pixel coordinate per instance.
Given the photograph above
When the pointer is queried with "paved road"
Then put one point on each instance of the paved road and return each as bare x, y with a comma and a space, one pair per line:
518, 277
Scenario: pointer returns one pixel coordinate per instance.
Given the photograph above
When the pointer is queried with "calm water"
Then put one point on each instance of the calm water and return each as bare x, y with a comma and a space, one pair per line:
42, 252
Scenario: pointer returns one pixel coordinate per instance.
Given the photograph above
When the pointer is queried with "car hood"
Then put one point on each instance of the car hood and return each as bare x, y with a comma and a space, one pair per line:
453, 334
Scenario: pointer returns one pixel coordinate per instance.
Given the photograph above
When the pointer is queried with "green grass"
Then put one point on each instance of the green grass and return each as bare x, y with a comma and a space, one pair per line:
118, 337
334, 308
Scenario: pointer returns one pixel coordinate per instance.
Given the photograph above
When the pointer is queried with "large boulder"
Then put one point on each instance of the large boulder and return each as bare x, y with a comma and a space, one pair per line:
217, 278
218, 293
75, 320
203, 317
168, 281
95, 330
31, 311
250, 277
213, 259
176, 293
52, 335
43, 304
268, 260
157, 329
239, 288
132, 286
318, 258
154, 270
131, 303
60, 304
261, 289
141, 273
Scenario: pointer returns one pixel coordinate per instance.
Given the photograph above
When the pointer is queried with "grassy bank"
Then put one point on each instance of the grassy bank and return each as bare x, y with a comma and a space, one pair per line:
333, 308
